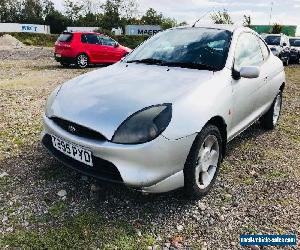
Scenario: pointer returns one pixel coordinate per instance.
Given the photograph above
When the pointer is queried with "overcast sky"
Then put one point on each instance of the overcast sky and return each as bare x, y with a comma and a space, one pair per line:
284, 11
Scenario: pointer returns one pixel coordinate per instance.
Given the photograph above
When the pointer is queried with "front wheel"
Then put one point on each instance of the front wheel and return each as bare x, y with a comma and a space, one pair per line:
270, 119
82, 61
203, 162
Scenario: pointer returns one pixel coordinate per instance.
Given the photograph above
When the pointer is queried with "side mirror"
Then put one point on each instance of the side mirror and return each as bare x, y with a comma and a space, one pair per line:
116, 45
250, 72
284, 44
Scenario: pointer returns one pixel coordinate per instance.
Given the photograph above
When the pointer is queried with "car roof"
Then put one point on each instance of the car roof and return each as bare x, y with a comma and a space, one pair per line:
227, 27
82, 32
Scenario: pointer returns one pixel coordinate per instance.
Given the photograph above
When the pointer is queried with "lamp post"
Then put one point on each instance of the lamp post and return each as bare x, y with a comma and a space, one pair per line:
272, 3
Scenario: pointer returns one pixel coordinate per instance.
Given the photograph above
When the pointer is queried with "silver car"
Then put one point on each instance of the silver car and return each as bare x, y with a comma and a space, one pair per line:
161, 118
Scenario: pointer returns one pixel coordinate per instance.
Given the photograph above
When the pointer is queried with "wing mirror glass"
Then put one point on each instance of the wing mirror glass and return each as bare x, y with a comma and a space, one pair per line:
250, 72
284, 44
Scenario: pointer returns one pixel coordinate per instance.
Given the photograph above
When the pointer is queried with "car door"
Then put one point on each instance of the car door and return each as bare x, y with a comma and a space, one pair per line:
245, 91
113, 52
93, 47
265, 96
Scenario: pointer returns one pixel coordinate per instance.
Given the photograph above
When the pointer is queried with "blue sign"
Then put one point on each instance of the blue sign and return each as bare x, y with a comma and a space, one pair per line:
29, 28
268, 240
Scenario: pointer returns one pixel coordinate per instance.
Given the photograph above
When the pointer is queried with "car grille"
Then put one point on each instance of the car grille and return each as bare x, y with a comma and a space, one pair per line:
78, 130
102, 169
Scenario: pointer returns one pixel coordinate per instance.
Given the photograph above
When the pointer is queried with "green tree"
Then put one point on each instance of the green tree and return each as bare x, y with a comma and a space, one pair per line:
57, 22
184, 23
32, 12
221, 17
276, 28
111, 16
168, 23
90, 20
73, 10
10, 11
247, 21
48, 7
152, 17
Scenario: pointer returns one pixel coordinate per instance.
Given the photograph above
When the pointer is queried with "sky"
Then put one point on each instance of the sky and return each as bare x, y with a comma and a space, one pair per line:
283, 11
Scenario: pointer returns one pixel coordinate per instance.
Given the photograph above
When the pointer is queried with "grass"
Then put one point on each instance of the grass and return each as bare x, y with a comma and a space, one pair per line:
274, 174
84, 231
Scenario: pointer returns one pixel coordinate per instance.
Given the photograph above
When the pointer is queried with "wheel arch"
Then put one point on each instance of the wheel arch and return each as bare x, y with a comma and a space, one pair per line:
84, 53
282, 87
220, 123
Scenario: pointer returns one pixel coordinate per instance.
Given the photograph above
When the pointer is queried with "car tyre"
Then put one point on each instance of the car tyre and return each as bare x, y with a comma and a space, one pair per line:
270, 119
82, 61
203, 162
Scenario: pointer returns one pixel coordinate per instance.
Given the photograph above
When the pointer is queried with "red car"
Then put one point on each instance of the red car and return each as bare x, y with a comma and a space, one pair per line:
84, 48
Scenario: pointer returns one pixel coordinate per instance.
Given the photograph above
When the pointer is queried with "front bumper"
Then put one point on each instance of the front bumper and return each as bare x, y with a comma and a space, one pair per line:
156, 166
295, 55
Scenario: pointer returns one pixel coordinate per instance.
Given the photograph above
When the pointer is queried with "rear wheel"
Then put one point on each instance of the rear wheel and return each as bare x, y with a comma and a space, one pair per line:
270, 119
82, 61
203, 162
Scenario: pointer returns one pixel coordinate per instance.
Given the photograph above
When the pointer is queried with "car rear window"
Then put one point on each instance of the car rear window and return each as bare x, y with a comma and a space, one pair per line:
65, 37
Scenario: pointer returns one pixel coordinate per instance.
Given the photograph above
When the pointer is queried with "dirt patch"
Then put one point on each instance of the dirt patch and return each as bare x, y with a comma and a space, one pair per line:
10, 42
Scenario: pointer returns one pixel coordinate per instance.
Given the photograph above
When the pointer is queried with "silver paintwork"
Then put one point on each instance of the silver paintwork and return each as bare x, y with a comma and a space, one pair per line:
101, 100
250, 72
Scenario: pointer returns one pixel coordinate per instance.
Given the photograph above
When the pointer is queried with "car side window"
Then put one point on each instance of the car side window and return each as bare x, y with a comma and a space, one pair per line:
247, 51
83, 38
264, 49
107, 41
92, 39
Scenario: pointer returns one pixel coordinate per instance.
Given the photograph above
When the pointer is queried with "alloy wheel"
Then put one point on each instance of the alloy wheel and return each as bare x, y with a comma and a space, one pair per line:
82, 61
207, 162
277, 109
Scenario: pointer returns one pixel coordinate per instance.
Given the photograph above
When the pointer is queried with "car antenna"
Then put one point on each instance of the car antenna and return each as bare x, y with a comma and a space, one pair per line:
194, 25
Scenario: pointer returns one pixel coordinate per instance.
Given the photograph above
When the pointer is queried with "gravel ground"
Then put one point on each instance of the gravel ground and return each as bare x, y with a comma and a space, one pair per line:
44, 205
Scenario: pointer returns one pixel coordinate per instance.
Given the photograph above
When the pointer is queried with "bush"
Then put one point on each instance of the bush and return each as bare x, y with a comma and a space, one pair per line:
130, 41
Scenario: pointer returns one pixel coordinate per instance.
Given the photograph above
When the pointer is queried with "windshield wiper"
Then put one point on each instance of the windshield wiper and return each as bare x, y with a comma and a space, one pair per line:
148, 61
190, 65
174, 64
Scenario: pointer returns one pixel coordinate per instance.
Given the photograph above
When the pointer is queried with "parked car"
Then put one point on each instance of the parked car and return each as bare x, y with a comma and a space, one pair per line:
84, 48
161, 118
295, 49
280, 46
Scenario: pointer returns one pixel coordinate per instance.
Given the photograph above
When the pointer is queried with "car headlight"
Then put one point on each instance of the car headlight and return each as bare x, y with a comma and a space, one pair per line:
50, 101
144, 126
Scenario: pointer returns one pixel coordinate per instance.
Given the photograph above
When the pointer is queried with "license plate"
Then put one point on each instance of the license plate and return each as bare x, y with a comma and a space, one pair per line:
58, 55
72, 150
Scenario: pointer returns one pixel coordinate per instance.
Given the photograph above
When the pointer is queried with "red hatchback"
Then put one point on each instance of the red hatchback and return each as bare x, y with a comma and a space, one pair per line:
84, 48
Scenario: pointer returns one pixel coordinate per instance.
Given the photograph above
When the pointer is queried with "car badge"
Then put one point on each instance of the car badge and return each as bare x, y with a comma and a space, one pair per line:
72, 129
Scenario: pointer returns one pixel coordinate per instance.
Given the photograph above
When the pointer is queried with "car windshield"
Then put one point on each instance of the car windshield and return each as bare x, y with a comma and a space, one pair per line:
198, 48
273, 40
295, 42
